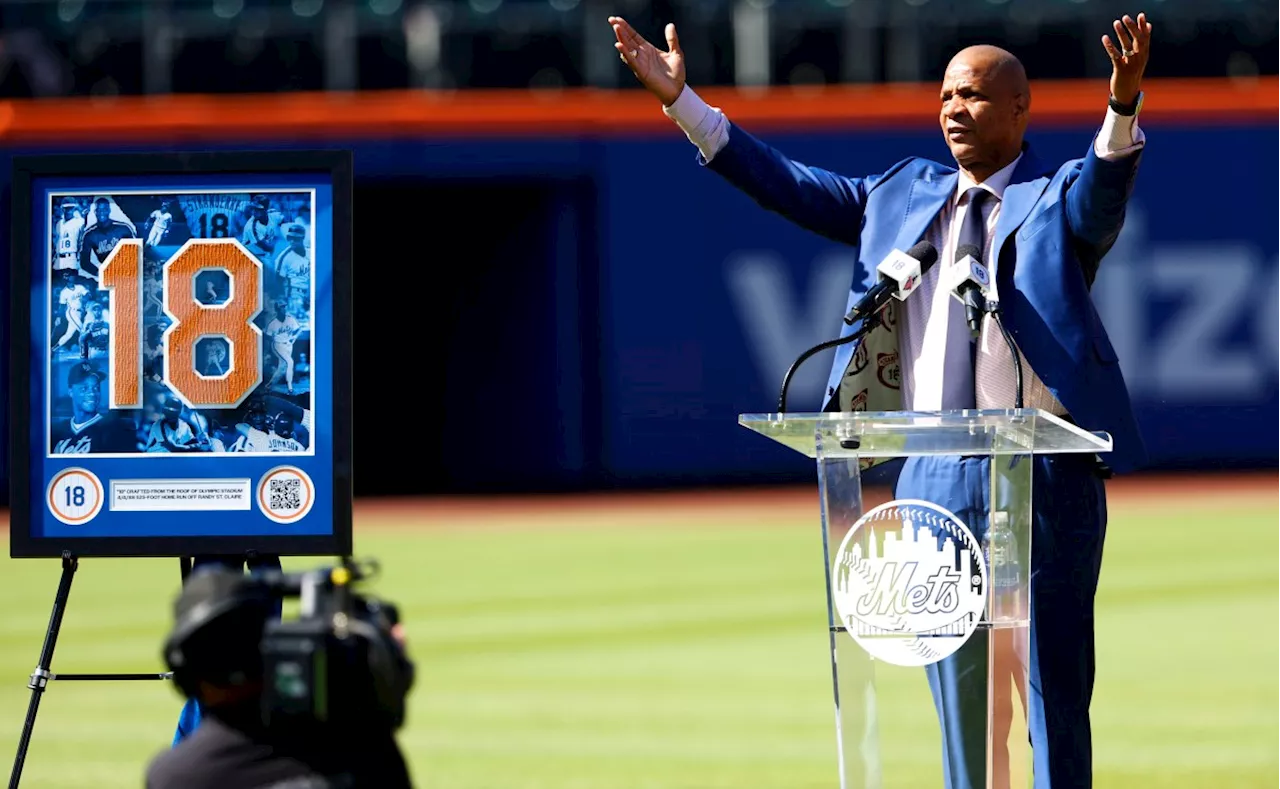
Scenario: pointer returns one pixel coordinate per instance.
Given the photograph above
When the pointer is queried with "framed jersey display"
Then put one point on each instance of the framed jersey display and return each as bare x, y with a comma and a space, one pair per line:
181, 354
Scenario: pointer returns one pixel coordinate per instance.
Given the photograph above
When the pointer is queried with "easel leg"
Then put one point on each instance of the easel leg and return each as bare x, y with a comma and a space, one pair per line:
40, 677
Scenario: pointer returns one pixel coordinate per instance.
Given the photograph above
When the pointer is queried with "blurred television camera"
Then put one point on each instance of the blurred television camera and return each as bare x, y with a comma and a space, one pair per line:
325, 691
339, 664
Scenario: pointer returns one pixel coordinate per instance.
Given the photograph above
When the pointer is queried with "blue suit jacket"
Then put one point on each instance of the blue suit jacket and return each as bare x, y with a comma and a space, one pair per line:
1055, 226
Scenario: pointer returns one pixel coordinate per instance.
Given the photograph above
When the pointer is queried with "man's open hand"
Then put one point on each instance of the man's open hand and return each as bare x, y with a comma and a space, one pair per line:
1129, 58
662, 73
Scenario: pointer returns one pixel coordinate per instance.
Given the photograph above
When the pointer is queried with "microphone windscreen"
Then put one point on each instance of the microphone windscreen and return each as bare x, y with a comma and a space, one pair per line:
968, 250
926, 253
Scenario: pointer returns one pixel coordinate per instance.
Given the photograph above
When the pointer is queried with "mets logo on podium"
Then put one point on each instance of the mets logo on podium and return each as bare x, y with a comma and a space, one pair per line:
910, 583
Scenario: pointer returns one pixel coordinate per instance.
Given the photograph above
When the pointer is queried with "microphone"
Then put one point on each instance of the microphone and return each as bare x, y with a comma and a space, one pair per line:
971, 283
898, 275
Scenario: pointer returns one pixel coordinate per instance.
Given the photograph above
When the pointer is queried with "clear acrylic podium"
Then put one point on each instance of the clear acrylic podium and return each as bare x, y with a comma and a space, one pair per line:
888, 728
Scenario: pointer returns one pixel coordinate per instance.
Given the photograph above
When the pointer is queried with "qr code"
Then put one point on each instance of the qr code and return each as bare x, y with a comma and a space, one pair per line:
286, 494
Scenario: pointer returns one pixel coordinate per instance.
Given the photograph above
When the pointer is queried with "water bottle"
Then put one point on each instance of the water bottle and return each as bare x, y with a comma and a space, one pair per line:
1005, 571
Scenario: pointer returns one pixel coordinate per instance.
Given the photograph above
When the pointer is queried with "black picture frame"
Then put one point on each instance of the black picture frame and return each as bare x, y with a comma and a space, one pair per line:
334, 165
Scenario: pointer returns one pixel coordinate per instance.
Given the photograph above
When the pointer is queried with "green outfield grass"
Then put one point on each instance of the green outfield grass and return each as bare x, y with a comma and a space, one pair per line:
678, 649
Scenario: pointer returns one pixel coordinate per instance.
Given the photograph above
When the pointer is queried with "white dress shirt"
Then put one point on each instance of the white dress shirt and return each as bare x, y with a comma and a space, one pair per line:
937, 368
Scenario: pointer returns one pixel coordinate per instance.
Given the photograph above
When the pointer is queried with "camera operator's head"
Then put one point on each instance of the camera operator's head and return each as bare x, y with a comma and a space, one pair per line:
214, 647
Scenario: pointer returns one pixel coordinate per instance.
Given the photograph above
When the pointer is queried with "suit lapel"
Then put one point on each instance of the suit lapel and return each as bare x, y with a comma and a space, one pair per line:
878, 360
1020, 196
924, 201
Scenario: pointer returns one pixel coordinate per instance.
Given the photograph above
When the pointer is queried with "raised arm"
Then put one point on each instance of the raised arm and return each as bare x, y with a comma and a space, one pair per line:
1097, 198
816, 199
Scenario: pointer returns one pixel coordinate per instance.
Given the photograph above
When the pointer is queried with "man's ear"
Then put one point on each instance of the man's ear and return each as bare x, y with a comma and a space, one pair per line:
1022, 105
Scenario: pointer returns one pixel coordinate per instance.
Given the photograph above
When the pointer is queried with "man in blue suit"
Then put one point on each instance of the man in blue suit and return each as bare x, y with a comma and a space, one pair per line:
1044, 230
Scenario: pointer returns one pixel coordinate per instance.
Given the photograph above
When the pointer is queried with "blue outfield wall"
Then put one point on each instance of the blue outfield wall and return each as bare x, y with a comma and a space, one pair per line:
676, 303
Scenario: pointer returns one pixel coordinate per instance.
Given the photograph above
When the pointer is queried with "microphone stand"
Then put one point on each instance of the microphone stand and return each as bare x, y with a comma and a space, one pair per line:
993, 307
868, 323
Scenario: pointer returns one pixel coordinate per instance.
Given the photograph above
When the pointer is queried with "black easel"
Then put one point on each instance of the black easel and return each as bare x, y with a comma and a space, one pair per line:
42, 675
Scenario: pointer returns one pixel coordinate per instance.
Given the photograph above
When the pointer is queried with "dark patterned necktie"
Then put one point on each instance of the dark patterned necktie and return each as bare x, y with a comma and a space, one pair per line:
973, 231
993, 368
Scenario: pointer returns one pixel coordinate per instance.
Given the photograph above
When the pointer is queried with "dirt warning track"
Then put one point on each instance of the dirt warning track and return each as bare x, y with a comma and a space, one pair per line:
737, 506
748, 505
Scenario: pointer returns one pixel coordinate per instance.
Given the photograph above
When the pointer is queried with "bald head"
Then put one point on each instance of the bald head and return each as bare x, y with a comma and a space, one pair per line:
1003, 69
986, 101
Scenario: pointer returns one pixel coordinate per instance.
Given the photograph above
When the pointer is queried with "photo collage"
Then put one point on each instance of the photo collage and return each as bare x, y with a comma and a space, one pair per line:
274, 418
